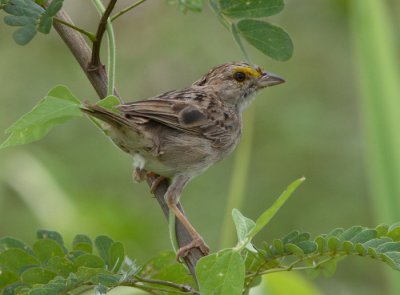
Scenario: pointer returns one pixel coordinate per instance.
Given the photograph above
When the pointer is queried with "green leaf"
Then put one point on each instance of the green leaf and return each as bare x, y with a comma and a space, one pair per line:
279, 248
291, 237
375, 243
250, 8
52, 235
348, 247
391, 258
82, 243
18, 21
307, 246
89, 260
364, 236
389, 247
116, 256
372, 252
335, 232
14, 288
63, 92
221, 273
45, 249
109, 102
17, 260
25, 34
360, 249
265, 218
7, 278
45, 25
54, 7
243, 224
320, 241
100, 290
350, 233
269, 39
31, 17
61, 266
49, 112
103, 245
20, 7
394, 232
303, 237
108, 280
333, 243
294, 249
10, 243
382, 229
37, 275
165, 267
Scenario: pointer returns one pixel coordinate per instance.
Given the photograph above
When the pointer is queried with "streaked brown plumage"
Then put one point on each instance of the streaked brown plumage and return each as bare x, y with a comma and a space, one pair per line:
180, 133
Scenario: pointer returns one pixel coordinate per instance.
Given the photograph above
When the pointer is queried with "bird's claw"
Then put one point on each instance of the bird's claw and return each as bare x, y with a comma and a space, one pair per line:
139, 175
197, 242
156, 182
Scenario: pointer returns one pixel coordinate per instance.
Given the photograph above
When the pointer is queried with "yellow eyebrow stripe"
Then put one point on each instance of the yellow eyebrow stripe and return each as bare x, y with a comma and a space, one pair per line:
249, 71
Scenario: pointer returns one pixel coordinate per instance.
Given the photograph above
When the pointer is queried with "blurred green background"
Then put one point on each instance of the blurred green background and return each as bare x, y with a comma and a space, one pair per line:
76, 181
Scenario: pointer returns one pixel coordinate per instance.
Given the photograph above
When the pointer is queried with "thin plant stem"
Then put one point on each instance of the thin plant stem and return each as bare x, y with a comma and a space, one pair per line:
111, 59
171, 227
95, 60
90, 35
239, 178
111, 49
183, 288
123, 11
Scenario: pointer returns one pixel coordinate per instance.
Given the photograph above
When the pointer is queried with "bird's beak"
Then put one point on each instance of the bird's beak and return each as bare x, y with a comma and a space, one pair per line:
269, 79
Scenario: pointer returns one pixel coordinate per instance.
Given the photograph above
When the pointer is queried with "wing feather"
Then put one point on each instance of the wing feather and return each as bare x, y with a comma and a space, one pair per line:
206, 119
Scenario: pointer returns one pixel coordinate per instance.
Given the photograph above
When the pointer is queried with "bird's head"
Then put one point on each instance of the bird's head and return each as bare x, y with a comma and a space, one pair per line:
236, 83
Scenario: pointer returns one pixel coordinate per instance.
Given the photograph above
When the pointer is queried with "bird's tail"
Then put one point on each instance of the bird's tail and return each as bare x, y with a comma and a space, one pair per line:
111, 118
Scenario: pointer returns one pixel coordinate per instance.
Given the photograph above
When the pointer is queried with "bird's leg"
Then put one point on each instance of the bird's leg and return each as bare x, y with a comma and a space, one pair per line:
172, 197
141, 174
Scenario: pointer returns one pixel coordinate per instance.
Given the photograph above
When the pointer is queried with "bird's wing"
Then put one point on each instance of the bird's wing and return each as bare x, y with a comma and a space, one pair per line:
173, 113
189, 116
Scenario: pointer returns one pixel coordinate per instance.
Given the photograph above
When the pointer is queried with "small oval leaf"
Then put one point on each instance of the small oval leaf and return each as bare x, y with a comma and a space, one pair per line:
116, 256
37, 275
45, 249
250, 8
333, 243
17, 260
269, 39
89, 260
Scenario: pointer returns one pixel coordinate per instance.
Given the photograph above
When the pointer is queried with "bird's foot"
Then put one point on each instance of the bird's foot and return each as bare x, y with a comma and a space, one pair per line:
156, 182
139, 175
197, 242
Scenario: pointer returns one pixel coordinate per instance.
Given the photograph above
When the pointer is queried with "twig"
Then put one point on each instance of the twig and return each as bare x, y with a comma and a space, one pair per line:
90, 35
123, 11
183, 288
111, 50
95, 60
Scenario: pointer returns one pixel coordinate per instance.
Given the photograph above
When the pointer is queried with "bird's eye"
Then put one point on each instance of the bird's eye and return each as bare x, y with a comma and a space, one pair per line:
239, 76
